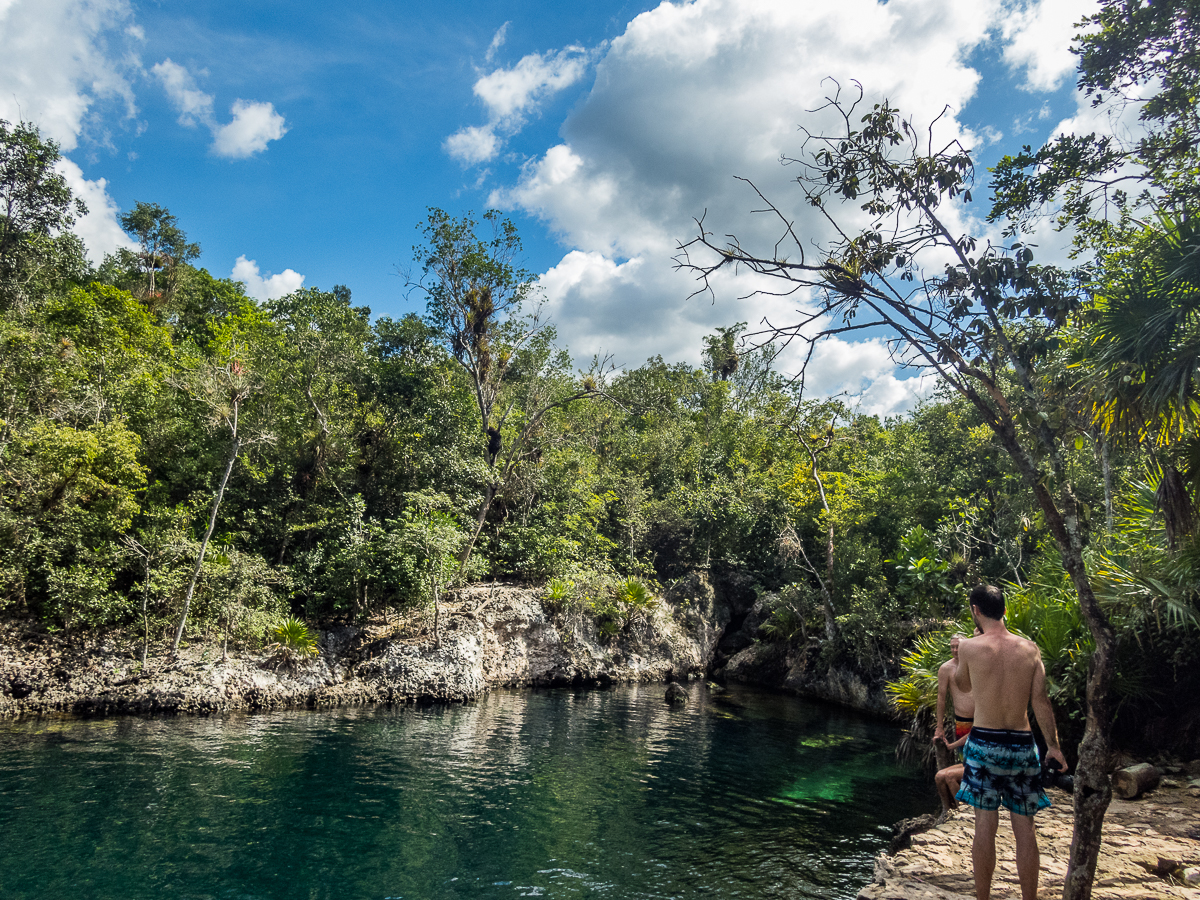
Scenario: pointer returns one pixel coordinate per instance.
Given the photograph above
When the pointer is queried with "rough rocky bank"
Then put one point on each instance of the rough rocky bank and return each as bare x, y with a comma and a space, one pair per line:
1146, 844
742, 656
492, 636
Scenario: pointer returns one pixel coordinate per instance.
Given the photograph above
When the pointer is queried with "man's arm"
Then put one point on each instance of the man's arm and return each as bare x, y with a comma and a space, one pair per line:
962, 678
939, 730
1044, 713
962, 740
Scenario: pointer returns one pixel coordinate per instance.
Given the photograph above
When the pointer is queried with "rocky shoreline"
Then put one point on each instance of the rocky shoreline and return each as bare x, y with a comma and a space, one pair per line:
492, 636
1148, 845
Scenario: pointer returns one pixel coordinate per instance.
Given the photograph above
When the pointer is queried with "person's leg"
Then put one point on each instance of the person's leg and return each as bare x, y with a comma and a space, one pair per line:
1028, 859
946, 781
983, 851
954, 776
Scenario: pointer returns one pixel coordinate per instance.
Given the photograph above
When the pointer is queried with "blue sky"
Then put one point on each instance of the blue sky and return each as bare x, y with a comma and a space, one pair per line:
309, 138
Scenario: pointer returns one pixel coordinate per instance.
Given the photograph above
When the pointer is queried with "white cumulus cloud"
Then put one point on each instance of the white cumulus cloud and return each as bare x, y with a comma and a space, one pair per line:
65, 65
473, 144
254, 123
63, 60
269, 287
1037, 36
688, 97
695, 93
98, 229
510, 95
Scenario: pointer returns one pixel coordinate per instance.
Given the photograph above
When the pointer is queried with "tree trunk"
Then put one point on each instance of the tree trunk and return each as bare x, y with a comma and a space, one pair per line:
1093, 790
465, 557
1128, 783
212, 524
1106, 468
943, 755
826, 581
1104, 458
145, 614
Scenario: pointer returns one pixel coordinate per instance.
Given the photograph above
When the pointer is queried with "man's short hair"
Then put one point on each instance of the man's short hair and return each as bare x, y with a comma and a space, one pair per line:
989, 600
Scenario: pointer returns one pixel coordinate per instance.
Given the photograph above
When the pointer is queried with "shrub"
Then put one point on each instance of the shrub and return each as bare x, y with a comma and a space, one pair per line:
614, 606
559, 593
793, 613
293, 640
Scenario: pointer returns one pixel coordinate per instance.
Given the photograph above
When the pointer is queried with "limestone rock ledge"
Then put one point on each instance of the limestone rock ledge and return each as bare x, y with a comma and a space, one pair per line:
789, 668
1138, 837
492, 636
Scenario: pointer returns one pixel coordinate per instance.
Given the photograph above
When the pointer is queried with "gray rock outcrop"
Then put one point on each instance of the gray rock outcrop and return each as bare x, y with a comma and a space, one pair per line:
493, 636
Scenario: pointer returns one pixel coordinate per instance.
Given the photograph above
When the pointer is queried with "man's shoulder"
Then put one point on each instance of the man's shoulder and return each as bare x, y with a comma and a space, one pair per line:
1022, 645
948, 667
967, 646
1020, 640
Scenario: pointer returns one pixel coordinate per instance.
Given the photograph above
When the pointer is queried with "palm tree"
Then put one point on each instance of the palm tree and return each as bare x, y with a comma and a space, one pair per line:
1141, 354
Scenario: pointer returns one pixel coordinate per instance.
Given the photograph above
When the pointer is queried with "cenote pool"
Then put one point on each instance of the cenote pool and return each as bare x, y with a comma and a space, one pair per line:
561, 794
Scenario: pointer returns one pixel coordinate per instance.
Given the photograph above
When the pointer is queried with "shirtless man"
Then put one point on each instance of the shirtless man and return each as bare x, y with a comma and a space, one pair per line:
947, 779
1001, 766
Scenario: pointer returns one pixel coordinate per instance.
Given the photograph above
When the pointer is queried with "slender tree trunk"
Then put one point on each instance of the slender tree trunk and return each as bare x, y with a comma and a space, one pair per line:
145, 614
1106, 471
829, 565
489, 495
826, 581
234, 448
1093, 791
287, 537
437, 616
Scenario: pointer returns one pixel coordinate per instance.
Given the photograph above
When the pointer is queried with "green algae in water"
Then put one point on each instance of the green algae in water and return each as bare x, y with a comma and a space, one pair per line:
838, 766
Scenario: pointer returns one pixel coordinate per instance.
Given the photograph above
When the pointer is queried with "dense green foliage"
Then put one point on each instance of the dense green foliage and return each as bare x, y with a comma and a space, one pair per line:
183, 444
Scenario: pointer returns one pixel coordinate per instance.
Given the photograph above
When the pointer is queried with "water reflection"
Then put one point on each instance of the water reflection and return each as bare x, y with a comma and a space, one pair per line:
557, 794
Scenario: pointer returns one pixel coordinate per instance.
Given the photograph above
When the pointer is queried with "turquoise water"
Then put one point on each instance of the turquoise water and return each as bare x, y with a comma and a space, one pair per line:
560, 794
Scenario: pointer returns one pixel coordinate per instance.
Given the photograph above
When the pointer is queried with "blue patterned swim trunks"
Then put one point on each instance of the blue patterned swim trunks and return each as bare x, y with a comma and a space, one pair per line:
1002, 768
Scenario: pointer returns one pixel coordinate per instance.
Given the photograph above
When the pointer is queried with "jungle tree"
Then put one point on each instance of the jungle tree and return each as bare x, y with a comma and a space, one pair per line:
475, 291
226, 385
163, 246
986, 325
36, 208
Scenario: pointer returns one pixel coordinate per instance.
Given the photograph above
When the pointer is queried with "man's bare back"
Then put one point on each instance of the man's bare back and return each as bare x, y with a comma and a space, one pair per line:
1002, 672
